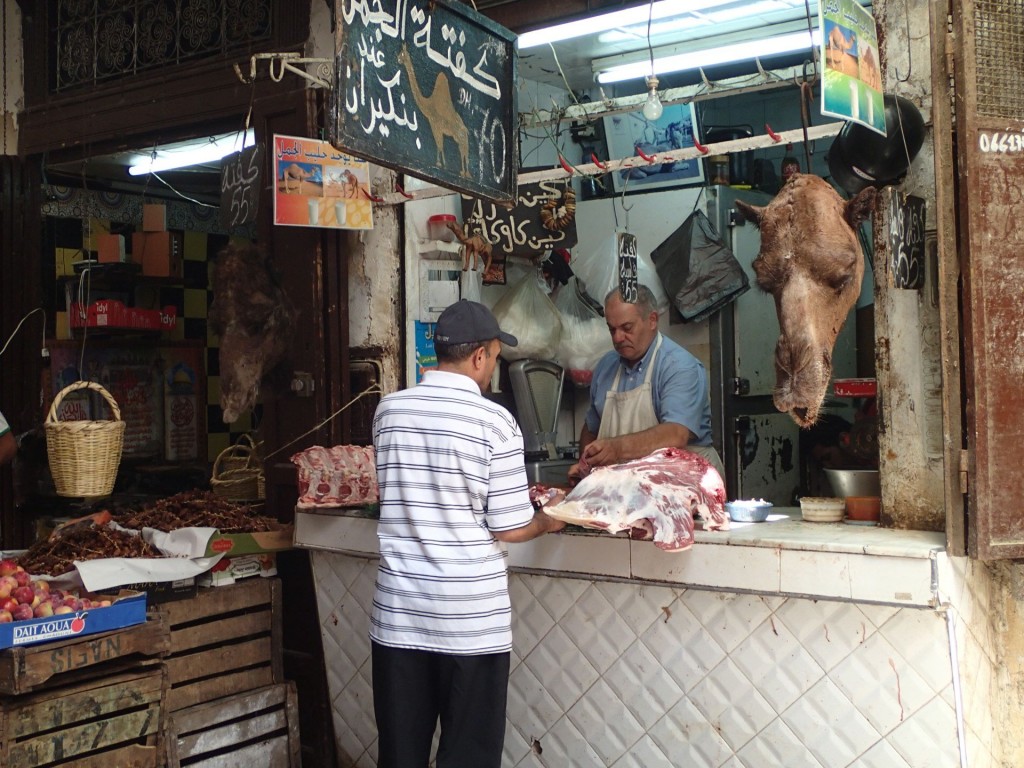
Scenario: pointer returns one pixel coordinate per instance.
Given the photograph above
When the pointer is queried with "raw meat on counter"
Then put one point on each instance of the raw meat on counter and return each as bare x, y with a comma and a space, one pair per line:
340, 476
655, 497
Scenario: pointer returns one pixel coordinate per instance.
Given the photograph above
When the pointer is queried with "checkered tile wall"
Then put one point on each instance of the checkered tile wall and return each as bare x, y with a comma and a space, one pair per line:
73, 239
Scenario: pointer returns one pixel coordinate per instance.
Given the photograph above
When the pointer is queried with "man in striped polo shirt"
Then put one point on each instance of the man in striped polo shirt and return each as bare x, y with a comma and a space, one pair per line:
452, 493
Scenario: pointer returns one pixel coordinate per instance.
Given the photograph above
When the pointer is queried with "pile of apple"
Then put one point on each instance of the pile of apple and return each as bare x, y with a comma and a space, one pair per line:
22, 597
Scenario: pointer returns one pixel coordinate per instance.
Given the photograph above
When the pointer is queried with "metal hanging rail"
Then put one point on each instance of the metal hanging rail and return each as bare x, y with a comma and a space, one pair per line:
594, 169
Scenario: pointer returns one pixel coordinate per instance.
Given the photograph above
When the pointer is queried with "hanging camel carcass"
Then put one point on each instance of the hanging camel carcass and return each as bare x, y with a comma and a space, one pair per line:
812, 263
253, 318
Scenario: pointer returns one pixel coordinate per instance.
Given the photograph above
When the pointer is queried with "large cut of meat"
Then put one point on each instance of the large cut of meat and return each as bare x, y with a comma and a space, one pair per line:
253, 318
344, 475
655, 497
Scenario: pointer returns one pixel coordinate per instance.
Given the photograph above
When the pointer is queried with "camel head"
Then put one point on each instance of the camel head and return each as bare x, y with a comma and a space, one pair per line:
811, 262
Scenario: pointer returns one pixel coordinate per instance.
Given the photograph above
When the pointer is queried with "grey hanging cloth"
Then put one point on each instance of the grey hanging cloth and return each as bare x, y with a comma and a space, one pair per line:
698, 271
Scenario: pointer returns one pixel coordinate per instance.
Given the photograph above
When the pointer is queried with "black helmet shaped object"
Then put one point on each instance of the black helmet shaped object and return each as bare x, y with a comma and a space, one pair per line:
861, 158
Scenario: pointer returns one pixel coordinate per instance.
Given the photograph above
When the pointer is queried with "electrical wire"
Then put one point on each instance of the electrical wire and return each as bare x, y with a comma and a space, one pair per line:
182, 195
22, 322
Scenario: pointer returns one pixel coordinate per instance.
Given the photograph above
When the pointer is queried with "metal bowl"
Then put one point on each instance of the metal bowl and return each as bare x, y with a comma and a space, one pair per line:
748, 510
854, 482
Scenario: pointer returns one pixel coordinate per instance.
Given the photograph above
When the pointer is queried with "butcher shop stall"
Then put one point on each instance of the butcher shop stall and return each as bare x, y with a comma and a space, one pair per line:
782, 642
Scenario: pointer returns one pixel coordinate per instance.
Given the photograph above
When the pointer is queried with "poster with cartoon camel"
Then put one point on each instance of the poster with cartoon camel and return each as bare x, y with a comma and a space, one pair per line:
316, 185
851, 77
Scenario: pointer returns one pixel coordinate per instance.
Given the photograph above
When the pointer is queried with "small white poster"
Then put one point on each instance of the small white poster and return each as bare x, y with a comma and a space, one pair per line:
852, 82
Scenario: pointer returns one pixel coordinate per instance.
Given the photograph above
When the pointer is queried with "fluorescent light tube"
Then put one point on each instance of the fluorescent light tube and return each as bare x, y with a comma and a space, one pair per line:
752, 49
202, 151
666, 9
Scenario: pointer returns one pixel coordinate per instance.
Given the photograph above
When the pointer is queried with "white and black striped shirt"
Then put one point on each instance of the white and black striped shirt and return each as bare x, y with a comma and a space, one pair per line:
450, 471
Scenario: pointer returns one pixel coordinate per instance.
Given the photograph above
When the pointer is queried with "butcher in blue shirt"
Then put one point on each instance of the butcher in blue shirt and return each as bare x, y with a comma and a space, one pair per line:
648, 393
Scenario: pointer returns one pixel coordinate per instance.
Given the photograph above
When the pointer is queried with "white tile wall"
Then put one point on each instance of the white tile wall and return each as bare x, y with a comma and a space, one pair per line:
638, 676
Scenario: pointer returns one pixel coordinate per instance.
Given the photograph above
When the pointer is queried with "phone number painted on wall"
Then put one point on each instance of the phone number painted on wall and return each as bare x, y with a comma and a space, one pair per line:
1001, 142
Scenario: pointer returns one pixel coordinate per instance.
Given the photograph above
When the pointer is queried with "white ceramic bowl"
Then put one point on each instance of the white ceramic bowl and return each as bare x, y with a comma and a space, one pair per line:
819, 509
748, 510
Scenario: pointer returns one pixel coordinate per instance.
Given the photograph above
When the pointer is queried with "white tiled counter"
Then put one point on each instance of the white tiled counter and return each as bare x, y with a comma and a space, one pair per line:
781, 643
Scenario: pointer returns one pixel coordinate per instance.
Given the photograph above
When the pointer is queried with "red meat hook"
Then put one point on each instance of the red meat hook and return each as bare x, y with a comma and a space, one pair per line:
568, 168
700, 147
402, 192
598, 163
648, 158
371, 198
775, 137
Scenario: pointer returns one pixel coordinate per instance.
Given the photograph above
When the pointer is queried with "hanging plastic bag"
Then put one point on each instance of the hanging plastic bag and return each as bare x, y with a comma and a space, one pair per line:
527, 313
470, 284
699, 269
599, 272
585, 337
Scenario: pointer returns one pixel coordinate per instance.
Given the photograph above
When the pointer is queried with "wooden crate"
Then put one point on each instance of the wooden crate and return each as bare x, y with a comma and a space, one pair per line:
113, 721
247, 730
223, 641
61, 662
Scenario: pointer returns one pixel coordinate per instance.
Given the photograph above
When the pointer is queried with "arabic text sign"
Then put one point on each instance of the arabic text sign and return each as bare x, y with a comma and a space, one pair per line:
240, 187
906, 239
627, 267
427, 87
315, 185
521, 231
852, 81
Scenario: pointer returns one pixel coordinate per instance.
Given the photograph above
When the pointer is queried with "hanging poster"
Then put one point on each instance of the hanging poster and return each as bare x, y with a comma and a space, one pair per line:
426, 357
630, 133
852, 82
315, 185
427, 87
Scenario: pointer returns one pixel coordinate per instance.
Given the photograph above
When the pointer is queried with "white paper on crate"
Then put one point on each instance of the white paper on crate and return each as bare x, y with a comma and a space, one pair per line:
185, 549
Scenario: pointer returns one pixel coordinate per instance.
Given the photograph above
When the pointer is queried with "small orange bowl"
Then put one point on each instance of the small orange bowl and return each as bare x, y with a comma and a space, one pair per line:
863, 507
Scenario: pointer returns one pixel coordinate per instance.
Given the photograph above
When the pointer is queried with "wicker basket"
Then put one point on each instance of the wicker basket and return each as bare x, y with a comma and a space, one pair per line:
84, 455
236, 472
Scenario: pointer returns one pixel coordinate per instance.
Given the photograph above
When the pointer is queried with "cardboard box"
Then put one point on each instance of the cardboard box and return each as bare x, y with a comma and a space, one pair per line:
228, 570
158, 592
111, 248
123, 612
154, 217
235, 544
159, 253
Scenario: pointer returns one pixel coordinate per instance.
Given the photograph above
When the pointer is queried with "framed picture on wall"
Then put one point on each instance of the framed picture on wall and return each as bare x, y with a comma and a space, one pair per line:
675, 129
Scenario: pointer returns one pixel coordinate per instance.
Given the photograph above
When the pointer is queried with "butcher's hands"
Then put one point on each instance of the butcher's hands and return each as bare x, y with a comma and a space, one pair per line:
601, 453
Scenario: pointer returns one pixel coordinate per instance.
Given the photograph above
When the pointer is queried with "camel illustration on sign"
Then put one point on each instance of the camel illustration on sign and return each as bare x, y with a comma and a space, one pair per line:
838, 45
296, 173
439, 110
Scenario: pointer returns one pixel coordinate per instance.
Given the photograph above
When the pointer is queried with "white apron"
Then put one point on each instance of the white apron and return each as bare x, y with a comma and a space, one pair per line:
628, 412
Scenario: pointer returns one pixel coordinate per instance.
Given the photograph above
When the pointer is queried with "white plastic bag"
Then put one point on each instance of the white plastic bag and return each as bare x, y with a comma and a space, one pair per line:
599, 272
527, 313
585, 337
470, 285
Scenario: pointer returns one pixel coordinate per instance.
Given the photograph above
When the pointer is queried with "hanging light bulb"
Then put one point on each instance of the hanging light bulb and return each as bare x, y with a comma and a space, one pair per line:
652, 107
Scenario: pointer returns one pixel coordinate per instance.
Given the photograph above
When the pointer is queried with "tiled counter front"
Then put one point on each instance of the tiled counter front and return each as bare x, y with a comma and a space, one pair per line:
796, 645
